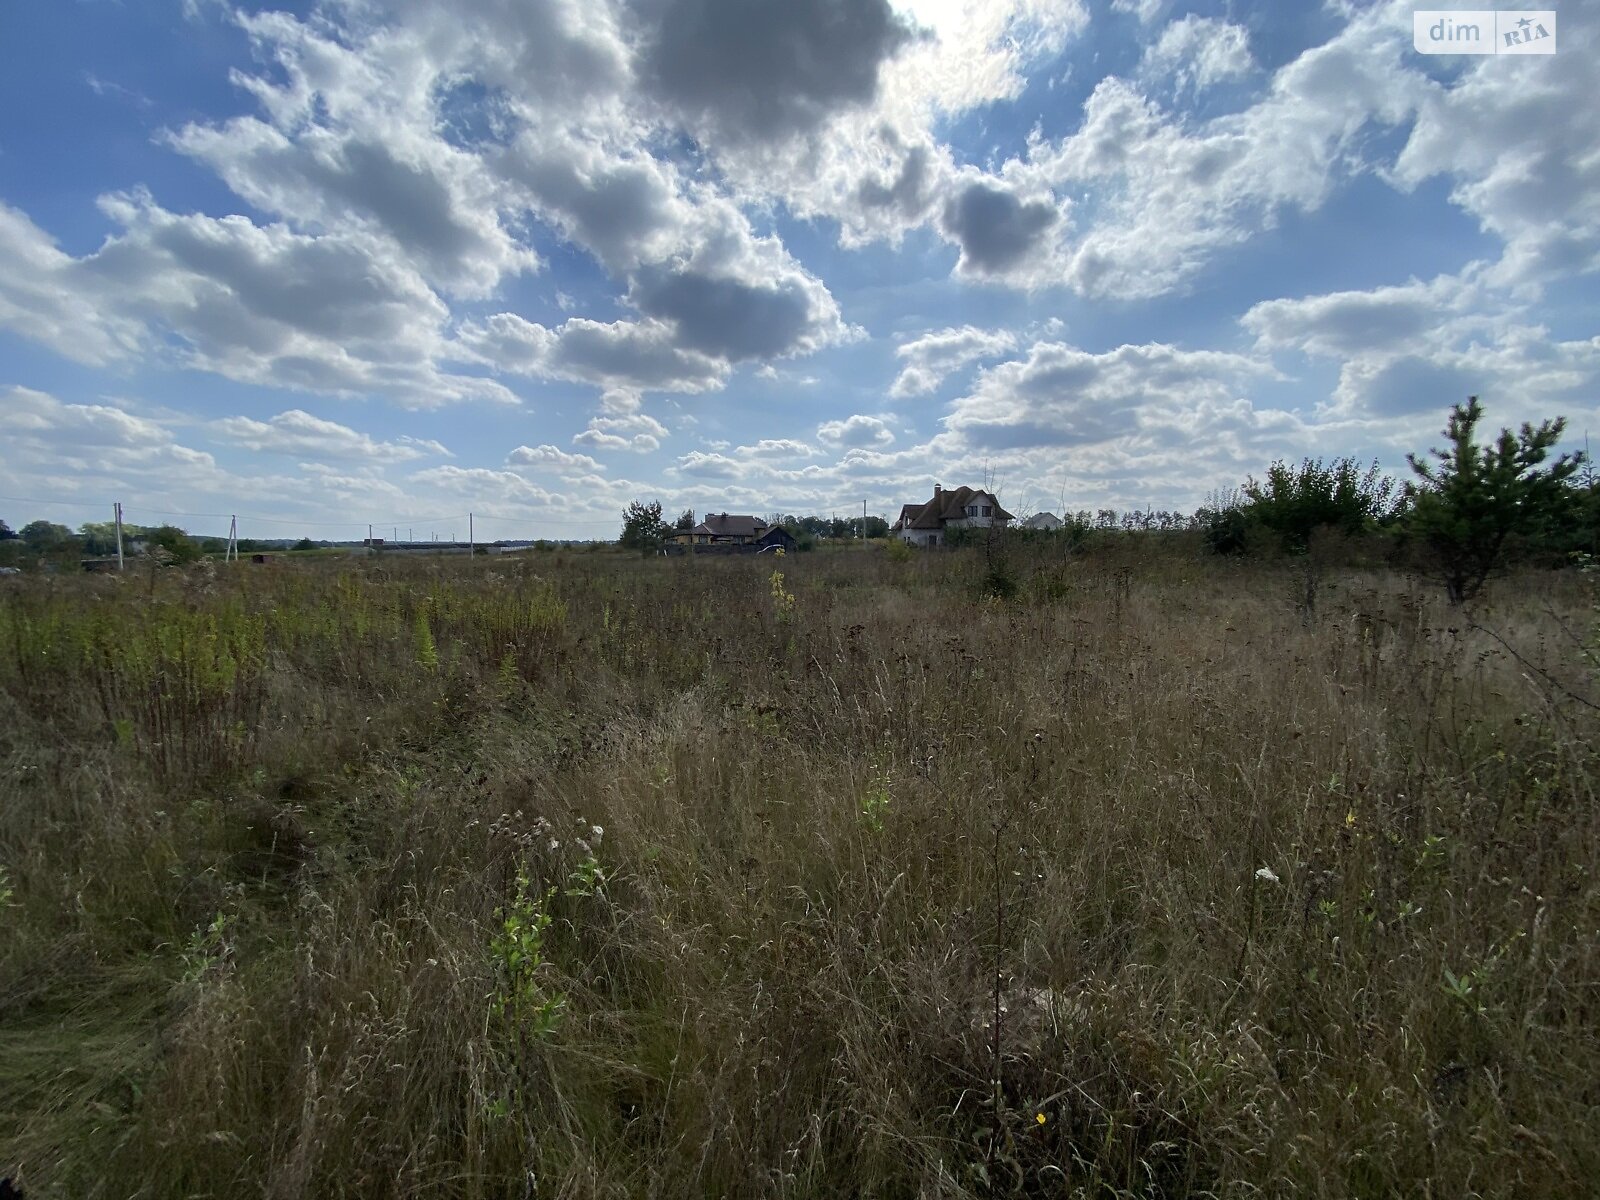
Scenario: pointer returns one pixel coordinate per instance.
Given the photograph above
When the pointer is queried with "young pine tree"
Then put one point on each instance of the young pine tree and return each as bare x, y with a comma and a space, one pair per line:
1467, 506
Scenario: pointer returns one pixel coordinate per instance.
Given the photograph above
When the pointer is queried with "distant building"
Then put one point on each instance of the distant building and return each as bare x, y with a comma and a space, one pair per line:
730, 533
1042, 520
957, 508
723, 529
777, 537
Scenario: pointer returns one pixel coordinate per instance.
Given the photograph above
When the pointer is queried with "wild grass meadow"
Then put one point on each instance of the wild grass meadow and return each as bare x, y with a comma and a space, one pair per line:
583, 875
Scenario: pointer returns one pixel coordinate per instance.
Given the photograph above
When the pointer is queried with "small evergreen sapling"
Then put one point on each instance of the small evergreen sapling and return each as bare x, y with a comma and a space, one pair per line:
1466, 506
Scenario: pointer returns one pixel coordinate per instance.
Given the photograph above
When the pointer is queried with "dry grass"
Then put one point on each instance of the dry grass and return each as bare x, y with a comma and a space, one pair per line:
1265, 903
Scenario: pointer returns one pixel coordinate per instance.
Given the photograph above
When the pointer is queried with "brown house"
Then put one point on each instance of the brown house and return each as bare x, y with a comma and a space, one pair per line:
723, 529
929, 524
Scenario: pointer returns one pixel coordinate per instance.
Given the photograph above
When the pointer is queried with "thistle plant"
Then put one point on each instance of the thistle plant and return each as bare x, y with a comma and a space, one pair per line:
588, 877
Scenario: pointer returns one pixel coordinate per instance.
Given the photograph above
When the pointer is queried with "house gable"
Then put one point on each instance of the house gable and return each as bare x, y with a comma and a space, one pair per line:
952, 508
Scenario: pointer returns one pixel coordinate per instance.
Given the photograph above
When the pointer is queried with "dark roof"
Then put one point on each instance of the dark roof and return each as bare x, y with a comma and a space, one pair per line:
908, 514
777, 535
947, 505
731, 525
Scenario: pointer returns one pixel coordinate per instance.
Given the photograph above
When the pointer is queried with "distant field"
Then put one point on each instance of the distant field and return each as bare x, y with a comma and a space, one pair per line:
572, 874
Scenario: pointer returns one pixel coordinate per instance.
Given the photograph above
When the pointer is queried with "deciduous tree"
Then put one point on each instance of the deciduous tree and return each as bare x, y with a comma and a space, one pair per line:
642, 527
43, 536
1293, 502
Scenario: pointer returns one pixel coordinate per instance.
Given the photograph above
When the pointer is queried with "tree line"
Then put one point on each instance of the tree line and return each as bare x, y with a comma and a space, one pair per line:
1466, 511
646, 529
49, 543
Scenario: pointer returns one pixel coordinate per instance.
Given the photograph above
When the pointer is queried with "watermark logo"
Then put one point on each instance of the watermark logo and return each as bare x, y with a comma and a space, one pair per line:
1484, 31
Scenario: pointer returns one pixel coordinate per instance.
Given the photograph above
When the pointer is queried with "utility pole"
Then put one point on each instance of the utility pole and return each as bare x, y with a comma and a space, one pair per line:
472, 541
369, 537
231, 554
116, 509
863, 520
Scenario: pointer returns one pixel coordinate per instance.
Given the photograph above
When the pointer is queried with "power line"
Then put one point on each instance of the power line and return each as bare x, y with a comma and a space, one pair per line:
161, 512
53, 503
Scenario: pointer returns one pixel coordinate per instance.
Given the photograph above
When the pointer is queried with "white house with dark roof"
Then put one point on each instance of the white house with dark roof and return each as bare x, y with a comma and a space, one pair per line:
929, 524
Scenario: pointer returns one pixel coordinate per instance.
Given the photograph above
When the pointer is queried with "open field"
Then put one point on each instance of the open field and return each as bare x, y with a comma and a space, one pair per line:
577, 875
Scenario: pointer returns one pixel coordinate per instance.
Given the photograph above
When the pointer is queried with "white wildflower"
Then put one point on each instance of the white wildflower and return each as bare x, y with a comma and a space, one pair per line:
1267, 875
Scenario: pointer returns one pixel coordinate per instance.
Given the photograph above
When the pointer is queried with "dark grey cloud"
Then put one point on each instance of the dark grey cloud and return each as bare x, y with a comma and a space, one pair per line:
908, 194
411, 201
623, 354
626, 355
996, 231
727, 317
1412, 385
617, 208
432, 206
259, 304
762, 69
252, 286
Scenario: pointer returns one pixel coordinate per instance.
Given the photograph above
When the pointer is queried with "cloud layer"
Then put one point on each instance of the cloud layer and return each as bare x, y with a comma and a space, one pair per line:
794, 250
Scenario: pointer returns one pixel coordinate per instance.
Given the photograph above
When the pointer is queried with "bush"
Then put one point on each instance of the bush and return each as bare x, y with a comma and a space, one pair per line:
1000, 581
1225, 530
1294, 502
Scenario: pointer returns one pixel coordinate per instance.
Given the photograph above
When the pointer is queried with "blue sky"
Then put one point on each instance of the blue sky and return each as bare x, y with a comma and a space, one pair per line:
342, 262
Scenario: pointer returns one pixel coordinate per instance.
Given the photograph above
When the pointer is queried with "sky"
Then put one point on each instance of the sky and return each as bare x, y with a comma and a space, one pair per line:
331, 263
